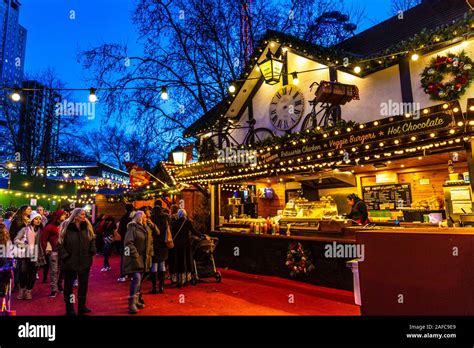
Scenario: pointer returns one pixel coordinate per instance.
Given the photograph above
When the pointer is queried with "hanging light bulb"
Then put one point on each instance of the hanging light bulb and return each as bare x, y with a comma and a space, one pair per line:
296, 81
231, 88
16, 95
92, 95
357, 69
164, 93
415, 57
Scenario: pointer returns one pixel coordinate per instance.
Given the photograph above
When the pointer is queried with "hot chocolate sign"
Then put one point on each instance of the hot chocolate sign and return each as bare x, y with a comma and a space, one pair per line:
396, 129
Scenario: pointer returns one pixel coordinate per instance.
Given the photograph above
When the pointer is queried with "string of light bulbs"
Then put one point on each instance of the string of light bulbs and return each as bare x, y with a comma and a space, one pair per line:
357, 69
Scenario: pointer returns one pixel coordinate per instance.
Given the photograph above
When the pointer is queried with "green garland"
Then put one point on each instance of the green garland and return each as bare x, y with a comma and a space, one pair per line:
457, 65
298, 260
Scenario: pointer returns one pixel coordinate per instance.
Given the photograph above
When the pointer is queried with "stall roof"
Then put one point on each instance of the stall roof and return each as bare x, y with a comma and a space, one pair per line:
388, 37
428, 15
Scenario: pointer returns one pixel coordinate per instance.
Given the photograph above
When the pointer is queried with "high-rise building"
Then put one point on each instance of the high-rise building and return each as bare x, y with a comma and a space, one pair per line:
12, 56
38, 129
12, 44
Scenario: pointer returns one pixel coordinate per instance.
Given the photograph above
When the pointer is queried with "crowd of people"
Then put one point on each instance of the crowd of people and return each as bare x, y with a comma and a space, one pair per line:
151, 242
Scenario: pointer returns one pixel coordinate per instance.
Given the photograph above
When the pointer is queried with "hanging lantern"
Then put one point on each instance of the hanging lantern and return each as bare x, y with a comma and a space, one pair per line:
179, 156
271, 68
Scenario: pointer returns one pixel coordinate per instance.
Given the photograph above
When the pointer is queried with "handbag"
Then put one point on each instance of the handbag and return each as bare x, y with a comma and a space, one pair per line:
169, 236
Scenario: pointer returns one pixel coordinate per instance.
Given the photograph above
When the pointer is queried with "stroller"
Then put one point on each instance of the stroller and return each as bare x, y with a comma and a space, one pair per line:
202, 253
6, 279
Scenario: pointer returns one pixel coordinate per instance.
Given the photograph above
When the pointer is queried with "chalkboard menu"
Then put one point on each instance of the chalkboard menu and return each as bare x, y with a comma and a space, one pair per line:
387, 196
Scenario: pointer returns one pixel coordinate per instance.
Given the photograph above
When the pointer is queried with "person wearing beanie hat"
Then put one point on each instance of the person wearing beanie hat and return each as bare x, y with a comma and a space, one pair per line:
29, 250
51, 235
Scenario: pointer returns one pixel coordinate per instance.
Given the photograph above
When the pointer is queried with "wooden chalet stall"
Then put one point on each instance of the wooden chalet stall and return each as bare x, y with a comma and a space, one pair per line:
279, 159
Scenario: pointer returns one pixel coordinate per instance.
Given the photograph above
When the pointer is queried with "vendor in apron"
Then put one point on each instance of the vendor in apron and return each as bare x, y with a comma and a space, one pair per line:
359, 211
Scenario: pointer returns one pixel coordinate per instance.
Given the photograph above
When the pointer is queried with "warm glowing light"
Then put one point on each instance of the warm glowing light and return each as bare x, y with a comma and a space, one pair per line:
92, 95
16, 95
357, 69
415, 57
231, 88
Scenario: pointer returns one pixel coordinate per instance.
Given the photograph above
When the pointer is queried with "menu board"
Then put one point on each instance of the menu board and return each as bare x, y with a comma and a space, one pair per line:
387, 196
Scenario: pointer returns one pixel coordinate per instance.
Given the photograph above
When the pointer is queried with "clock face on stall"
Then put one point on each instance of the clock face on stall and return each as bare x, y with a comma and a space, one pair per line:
286, 107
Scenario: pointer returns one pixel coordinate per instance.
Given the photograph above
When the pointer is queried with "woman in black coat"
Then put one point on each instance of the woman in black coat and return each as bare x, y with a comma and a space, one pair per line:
180, 256
359, 211
161, 221
76, 248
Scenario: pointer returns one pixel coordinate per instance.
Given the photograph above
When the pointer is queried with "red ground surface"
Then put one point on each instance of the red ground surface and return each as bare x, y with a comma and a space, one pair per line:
238, 294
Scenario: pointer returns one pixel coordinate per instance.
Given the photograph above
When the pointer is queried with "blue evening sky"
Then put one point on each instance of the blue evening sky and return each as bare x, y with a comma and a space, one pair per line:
54, 39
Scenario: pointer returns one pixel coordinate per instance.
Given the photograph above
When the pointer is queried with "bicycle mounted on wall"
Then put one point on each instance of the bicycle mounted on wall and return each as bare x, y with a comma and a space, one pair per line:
330, 96
223, 138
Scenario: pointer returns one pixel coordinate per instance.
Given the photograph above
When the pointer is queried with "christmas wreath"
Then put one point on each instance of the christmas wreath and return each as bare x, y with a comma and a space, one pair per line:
298, 260
456, 67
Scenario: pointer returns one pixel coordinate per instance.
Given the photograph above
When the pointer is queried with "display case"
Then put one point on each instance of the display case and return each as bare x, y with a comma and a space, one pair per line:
301, 208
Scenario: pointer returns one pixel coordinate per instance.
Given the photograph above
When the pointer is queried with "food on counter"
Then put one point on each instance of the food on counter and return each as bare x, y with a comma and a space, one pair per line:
432, 203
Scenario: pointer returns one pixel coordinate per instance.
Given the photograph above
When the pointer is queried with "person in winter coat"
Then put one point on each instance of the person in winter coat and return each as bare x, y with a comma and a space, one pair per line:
28, 249
99, 230
159, 225
108, 230
137, 257
122, 230
76, 248
180, 256
19, 220
7, 263
50, 235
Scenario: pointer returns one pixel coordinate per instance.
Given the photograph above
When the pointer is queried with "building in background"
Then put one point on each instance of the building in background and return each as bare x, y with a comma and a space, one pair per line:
38, 128
12, 57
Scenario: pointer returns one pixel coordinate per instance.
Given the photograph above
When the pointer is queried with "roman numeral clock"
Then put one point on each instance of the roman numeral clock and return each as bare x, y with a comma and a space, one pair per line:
286, 107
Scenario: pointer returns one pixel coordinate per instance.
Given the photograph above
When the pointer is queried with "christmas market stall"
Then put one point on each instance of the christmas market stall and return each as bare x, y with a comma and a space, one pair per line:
386, 115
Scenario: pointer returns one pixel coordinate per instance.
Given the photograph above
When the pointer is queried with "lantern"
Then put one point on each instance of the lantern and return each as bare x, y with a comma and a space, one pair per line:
271, 68
179, 156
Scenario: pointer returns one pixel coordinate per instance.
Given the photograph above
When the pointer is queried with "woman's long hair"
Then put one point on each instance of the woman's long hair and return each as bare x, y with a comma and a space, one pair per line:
4, 235
18, 219
64, 226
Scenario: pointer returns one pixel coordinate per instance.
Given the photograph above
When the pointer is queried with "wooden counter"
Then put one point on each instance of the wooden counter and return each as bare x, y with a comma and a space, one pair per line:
318, 237
267, 254
417, 271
